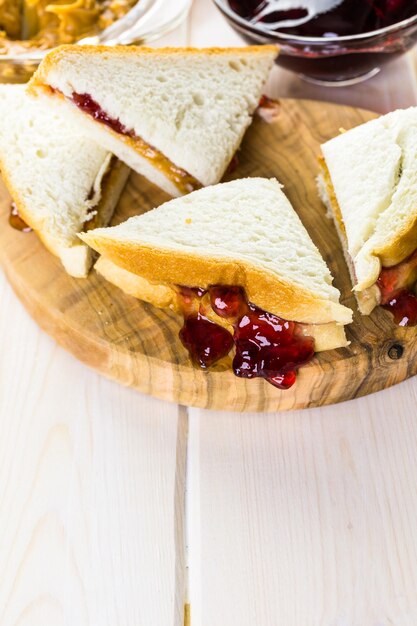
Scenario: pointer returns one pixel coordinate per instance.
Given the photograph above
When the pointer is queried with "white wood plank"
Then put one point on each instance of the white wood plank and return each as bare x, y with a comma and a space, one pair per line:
306, 518
91, 491
91, 487
91, 483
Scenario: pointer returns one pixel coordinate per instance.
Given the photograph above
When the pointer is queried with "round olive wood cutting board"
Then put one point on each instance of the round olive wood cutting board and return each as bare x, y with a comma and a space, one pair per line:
138, 345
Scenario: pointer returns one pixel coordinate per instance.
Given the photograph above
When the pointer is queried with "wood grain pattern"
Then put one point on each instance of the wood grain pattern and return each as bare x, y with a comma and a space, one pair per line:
138, 345
296, 469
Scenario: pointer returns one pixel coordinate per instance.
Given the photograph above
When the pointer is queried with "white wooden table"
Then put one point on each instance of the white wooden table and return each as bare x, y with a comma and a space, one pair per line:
293, 519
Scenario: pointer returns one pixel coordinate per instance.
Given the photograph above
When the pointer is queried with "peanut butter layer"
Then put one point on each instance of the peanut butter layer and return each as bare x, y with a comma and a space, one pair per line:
47, 23
182, 180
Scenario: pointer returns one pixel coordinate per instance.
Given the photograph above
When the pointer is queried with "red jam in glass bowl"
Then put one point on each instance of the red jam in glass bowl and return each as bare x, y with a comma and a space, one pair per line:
333, 18
328, 41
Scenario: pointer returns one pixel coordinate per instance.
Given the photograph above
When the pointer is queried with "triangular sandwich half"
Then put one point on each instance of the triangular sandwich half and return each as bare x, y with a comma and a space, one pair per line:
60, 182
369, 183
175, 115
243, 234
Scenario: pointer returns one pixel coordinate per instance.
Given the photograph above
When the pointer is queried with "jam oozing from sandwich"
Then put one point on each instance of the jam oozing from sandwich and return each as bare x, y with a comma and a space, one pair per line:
403, 305
184, 181
268, 109
267, 346
87, 104
16, 221
395, 284
206, 341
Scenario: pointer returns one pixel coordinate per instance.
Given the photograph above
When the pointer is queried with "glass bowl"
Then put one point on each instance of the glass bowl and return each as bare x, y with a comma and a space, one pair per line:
333, 61
146, 21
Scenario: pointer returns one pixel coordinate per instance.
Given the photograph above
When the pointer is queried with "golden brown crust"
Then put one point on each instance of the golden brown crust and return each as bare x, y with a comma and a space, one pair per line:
57, 53
21, 207
161, 296
326, 336
263, 288
48, 63
402, 247
336, 212
26, 215
392, 252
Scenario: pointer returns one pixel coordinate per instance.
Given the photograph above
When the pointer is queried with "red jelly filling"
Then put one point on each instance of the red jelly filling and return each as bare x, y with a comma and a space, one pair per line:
87, 104
395, 284
404, 308
179, 177
266, 345
205, 341
266, 102
16, 221
268, 109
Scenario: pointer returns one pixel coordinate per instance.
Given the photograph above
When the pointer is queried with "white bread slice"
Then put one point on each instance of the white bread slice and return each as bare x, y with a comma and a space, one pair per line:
326, 336
369, 298
192, 106
240, 233
373, 174
57, 177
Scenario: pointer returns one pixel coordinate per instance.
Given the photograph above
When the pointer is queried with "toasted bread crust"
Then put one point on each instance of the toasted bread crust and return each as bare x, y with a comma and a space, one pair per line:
266, 290
36, 225
326, 336
395, 249
404, 244
48, 63
57, 53
161, 296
